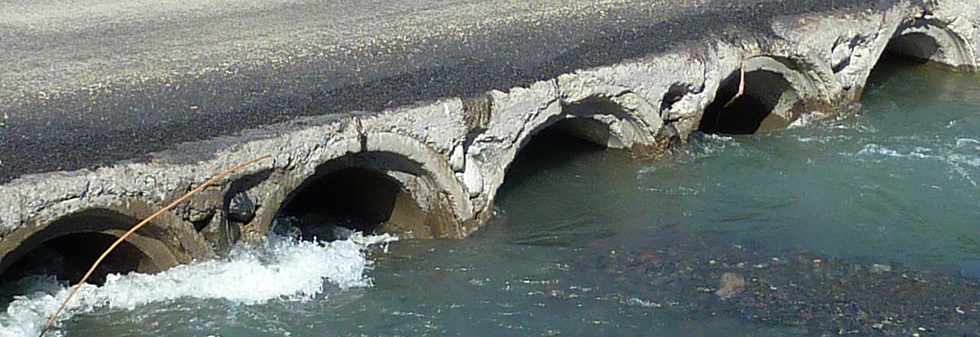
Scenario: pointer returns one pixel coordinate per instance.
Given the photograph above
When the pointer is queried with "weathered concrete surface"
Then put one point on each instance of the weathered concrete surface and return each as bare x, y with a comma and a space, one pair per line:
449, 102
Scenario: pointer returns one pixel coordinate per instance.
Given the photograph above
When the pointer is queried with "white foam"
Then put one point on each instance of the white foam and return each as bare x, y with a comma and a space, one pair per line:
922, 153
919, 152
875, 149
953, 160
968, 142
806, 119
280, 268
710, 144
823, 139
635, 301
716, 137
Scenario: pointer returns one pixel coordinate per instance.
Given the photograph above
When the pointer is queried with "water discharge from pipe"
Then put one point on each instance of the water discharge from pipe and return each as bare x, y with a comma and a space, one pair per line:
95, 265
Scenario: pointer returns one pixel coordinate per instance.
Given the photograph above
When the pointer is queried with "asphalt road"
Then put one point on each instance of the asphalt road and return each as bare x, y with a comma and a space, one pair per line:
89, 83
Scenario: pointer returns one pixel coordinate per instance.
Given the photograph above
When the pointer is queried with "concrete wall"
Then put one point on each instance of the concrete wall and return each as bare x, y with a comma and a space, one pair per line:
451, 155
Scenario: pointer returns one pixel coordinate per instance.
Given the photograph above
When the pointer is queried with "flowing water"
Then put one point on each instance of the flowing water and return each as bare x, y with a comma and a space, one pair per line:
868, 224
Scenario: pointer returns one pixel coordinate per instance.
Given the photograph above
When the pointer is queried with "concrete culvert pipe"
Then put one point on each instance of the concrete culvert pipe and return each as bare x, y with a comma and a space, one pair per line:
67, 248
767, 103
557, 143
370, 192
914, 46
927, 40
554, 146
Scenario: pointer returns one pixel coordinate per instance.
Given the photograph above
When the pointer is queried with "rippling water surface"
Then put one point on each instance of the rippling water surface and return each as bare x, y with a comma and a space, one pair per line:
872, 223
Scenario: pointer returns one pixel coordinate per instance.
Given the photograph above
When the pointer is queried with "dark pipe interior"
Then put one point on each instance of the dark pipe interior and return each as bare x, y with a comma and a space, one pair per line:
902, 54
585, 128
355, 198
747, 113
550, 148
912, 47
68, 257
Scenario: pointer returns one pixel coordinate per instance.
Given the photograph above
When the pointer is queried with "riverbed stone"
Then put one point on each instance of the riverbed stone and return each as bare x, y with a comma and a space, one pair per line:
731, 284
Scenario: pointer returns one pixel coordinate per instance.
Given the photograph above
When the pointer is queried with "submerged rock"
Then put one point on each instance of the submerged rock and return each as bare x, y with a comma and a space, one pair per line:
731, 284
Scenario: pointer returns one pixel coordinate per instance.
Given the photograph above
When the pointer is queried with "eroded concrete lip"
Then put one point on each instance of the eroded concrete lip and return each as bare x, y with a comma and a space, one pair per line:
933, 39
459, 148
160, 245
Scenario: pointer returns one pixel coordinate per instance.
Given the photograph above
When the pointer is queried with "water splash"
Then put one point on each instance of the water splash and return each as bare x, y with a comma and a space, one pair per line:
279, 269
948, 155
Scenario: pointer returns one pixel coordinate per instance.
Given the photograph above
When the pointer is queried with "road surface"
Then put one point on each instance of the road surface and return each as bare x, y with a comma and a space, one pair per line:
88, 83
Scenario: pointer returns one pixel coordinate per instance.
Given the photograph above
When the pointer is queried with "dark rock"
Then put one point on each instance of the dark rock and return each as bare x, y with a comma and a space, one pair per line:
241, 208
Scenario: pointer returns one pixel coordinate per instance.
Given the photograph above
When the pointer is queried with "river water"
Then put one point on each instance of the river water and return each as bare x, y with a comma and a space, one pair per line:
864, 225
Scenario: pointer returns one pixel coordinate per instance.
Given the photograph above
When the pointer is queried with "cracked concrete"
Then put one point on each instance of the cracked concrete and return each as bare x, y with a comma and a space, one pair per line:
450, 155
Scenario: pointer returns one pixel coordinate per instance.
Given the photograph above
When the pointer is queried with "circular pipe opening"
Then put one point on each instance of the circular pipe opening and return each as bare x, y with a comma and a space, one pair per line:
904, 50
66, 248
755, 110
556, 145
364, 192
68, 257
929, 40
913, 47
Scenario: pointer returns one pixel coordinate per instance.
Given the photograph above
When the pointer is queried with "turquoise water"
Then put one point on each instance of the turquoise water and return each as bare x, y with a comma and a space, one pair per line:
868, 224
